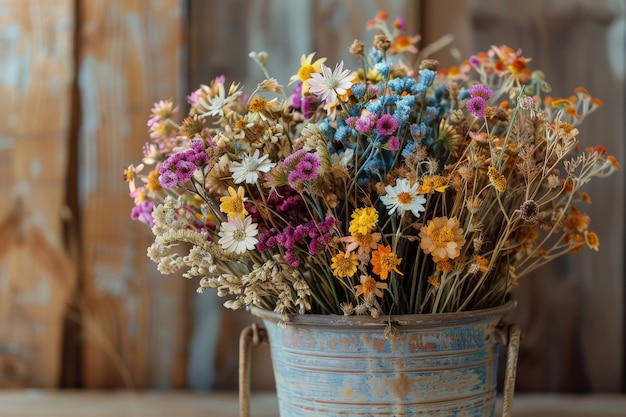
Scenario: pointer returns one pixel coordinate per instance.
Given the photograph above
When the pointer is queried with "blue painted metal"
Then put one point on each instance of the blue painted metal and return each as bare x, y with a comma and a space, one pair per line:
436, 365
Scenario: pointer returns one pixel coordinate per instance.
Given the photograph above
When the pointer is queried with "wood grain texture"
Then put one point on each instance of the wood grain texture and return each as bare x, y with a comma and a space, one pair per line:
36, 274
131, 54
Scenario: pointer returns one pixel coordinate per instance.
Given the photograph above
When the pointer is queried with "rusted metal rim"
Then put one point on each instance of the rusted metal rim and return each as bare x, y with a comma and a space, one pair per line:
424, 320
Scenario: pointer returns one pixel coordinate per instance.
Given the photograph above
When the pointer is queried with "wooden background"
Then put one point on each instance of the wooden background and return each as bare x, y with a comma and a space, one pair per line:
82, 306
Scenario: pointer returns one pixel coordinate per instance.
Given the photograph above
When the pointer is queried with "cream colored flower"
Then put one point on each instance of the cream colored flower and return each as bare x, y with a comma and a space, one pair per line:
442, 238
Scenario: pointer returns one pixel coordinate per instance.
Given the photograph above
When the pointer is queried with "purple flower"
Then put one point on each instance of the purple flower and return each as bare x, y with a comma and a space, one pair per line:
303, 165
143, 212
365, 123
351, 121
393, 144
292, 260
477, 106
479, 90
386, 125
297, 93
168, 179
306, 168
291, 160
308, 106
185, 170
267, 239
474, 61
399, 24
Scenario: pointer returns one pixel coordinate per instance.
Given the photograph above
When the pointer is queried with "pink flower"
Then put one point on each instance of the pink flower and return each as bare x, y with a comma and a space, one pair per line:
477, 106
386, 125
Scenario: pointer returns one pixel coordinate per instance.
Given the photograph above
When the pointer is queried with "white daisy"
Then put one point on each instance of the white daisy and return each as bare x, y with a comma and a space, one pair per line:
327, 85
248, 169
214, 106
238, 236
403, 197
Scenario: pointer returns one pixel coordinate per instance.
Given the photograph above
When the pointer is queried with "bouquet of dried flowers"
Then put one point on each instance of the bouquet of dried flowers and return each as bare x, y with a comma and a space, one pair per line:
385, 190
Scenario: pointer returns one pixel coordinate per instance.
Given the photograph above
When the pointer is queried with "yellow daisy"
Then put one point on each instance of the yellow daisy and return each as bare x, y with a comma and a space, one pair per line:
307, 67
364, 220
233, 205
344, 264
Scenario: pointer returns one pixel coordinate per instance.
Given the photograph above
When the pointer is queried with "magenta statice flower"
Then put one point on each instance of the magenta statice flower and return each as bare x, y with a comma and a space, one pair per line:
477, 106
267, 240
393, 144
479, 90
386, 125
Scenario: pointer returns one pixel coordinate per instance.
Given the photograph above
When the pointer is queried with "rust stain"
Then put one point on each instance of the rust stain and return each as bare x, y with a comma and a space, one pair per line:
379, 345
332, 343
401, 386
347, 392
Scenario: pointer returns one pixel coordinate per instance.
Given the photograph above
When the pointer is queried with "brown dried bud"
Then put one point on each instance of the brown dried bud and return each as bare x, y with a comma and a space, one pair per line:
399, 71
431, 64
529, 211
382, 42
357, 48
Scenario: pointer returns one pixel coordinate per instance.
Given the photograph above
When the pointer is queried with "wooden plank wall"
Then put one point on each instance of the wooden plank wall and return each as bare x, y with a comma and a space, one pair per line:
131, 53
37, 277
82, 306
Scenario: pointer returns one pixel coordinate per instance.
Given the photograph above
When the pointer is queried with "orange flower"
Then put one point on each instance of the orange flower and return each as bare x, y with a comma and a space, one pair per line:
592, 240
575, 241
576, 221
384, 261
404, 44
370, 287
614, 162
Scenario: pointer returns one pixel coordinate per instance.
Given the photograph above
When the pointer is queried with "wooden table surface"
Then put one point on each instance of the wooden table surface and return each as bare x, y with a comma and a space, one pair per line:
41, 403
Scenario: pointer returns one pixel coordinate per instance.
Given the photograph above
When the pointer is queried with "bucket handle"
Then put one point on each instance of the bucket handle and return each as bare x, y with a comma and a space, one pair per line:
511, 336
253, 335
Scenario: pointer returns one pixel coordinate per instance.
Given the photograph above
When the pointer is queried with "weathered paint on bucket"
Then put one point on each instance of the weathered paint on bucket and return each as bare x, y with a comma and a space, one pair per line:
437, 365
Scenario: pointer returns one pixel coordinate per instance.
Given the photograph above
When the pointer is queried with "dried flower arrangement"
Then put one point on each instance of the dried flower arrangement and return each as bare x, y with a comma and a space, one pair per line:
386, 190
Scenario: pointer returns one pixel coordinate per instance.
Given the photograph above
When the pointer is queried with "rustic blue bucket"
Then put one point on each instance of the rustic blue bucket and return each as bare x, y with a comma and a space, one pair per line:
434, 365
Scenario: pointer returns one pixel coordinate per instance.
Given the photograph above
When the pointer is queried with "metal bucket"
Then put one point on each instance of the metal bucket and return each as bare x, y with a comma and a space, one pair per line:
434, 365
